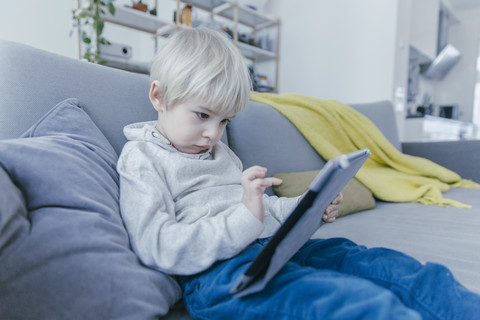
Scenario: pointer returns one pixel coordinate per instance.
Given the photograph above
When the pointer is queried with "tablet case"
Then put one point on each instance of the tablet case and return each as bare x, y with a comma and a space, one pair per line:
302, 223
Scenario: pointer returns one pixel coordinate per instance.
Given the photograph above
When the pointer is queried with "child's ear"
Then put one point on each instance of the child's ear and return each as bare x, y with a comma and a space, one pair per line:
155, 96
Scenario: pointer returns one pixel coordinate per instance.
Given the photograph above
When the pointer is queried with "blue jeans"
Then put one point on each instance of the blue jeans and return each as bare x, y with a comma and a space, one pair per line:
333, 279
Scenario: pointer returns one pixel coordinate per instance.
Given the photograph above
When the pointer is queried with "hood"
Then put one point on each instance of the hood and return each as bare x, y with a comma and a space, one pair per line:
443, 62
146, 131
139, 130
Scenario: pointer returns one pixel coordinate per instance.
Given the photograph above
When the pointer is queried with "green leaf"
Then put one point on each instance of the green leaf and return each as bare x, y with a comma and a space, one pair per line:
81, 15
87, 56
92, 16
111, 8
104, 41
99, 27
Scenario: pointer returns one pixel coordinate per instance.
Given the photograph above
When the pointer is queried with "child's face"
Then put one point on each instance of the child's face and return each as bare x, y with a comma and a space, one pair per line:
192, 127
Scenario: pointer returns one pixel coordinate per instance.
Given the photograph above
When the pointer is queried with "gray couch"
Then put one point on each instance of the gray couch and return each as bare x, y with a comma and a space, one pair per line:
63, 250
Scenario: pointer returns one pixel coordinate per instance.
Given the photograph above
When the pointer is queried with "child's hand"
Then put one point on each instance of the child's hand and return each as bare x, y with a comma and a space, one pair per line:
331, 212
254, 184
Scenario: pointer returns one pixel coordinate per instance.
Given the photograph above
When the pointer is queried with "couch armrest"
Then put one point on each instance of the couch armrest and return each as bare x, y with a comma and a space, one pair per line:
460, 156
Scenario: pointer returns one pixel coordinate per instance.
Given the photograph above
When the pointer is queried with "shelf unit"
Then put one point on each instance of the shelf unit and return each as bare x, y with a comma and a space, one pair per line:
139, 20
133, 19
238, 16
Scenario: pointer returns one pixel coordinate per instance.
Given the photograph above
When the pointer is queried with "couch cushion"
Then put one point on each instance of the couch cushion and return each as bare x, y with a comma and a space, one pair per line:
449, 236
282, 148
356, 197
381, 113
111, 97
68, 254
261, 135
13, 212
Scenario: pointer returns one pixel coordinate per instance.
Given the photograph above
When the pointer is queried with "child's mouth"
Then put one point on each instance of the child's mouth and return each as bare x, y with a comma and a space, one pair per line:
205, 147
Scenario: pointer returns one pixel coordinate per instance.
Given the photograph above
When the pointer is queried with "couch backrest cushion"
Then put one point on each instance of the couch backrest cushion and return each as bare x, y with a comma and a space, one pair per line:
32, 81
260, 135
382, 115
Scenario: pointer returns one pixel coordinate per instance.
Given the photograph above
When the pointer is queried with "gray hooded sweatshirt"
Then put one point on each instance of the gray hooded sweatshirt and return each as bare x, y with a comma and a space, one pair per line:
183, 212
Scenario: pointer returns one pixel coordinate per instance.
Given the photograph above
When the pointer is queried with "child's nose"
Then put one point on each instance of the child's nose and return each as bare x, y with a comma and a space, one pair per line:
211, 132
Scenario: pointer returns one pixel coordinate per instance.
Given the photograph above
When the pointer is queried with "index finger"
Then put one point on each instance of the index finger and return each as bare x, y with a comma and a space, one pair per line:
254, 172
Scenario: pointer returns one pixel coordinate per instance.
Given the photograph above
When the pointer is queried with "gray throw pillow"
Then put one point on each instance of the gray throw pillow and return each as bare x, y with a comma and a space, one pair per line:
13, 213
64, 251
356, 197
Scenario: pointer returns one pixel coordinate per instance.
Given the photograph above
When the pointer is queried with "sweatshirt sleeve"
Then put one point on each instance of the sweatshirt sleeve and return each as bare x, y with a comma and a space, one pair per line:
161, 242
280, 207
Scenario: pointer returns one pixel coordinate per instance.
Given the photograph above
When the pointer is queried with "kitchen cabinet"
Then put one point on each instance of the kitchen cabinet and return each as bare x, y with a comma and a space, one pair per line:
431, 128
424, 26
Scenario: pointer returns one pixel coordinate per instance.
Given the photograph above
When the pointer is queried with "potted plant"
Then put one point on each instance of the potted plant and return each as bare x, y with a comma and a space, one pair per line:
139, 5
91, 26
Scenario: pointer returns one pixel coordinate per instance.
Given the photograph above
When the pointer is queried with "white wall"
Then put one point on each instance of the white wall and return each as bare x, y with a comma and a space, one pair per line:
349, 50
42, 24
329, 49
343, 50
401, 62
48, 25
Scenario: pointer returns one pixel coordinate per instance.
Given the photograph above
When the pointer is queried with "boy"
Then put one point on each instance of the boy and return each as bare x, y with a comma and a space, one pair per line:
191, 212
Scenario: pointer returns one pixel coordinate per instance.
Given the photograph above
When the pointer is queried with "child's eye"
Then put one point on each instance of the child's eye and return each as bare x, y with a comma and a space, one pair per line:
225, 121
202, 115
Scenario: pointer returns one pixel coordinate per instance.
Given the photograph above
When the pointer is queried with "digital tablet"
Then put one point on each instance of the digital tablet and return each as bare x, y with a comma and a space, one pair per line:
301, 224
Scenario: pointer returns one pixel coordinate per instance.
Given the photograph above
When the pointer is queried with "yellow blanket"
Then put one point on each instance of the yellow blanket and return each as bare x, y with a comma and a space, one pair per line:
333, 128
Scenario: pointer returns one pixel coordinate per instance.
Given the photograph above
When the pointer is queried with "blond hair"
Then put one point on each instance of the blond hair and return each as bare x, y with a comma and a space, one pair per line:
202, 64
